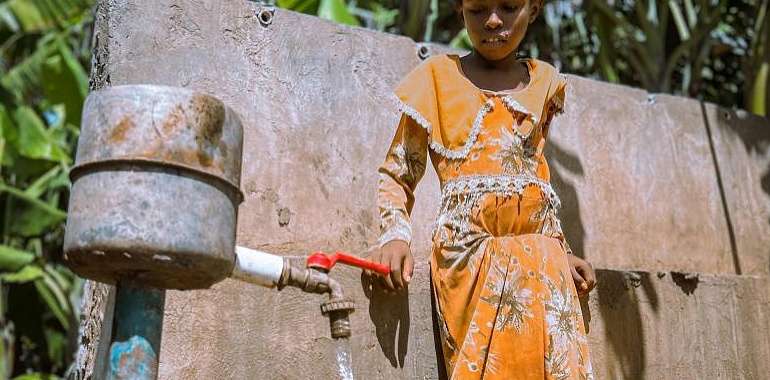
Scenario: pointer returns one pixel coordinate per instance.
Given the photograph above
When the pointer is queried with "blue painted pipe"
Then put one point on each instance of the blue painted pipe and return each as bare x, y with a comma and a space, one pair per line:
137, 326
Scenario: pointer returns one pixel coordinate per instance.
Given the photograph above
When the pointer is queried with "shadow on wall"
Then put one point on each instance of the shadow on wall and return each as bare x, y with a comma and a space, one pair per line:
617, 294
619, 305
569, 214
721, 185
755, 137
391, 322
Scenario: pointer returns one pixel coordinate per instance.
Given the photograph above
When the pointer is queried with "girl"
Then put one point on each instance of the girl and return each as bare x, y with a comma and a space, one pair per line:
500, 266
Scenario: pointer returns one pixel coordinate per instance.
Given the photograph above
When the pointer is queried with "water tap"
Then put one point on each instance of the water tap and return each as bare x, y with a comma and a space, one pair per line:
272, 271
315, 279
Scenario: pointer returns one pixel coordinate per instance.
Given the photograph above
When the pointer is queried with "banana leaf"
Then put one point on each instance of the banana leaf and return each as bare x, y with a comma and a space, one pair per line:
54, 296
31, 216
26, 274
12, 259
33, 139
64, 81
35, 16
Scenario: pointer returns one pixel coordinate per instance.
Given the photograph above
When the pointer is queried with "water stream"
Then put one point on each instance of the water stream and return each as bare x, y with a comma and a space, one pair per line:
344, 359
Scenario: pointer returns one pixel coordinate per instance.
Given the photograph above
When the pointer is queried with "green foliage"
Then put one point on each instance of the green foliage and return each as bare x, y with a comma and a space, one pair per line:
706, 49
334, 10
42, 87
36, 376
715, 50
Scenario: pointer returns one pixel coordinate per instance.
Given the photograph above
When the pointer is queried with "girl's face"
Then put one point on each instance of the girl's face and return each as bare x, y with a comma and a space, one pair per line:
497, 27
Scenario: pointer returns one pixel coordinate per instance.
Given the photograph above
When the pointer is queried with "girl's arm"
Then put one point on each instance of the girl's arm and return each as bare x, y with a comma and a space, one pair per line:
582, 271
402, 169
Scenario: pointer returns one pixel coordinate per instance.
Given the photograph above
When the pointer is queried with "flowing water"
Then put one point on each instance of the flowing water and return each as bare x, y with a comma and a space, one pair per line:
344, 359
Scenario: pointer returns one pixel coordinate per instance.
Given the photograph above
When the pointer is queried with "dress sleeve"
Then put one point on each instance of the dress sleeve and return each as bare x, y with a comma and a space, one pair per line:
399, 174
553, 226
555, 103
555, 106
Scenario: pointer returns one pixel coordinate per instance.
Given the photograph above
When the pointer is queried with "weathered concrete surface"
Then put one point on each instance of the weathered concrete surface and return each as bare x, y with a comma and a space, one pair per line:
318, 115
642, 325
671, 325
641, 189
637, 175
742, 152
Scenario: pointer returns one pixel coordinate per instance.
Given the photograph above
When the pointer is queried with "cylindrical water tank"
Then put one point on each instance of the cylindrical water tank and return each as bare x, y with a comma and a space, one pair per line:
155, 188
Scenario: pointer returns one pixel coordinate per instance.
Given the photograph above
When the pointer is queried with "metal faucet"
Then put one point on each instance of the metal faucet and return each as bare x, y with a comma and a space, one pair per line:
271, 271
315, 279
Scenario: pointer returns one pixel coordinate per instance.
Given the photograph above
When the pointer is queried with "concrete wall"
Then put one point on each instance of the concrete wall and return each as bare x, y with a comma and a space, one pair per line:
656, 184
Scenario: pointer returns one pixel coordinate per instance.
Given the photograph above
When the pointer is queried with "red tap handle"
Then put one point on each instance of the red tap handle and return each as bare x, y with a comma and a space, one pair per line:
323, 261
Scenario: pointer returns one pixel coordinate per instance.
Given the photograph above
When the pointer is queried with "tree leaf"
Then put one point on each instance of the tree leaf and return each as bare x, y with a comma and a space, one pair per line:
35, 16
12, 259
5, 124
31, 216
26, 274
337, 11
64, 80
679, 20
56, 342
383, 17
757, 96
36, 376
462, 40
26, 14
54, 297
45, 182
302, 6
62, 277
33, 140
62, 130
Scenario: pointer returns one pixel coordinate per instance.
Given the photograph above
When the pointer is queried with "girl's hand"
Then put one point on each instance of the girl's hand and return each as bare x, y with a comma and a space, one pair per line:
583, 274
398, 256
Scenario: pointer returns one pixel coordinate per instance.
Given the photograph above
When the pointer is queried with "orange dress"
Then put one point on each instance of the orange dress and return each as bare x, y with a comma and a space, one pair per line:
505, 299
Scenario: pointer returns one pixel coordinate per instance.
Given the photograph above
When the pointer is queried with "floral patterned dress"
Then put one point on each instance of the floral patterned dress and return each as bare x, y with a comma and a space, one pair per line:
506, 301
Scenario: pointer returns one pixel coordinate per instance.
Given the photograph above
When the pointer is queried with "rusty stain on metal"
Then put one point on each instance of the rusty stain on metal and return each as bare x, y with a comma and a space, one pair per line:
173, 120
185, 128
156, 187
119, 132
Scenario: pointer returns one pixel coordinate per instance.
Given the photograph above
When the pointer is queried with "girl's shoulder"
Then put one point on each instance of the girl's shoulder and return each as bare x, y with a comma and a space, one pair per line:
437, 79
547, 73
444, 71
430, 70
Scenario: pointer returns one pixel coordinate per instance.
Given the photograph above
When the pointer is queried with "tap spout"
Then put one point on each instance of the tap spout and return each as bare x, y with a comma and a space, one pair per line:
313, 280
273, 271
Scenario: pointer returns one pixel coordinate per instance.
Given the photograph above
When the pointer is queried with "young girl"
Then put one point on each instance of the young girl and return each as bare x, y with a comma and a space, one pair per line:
506, 285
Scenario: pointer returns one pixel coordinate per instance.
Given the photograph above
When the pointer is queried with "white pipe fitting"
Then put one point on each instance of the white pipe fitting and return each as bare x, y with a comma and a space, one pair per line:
257, 267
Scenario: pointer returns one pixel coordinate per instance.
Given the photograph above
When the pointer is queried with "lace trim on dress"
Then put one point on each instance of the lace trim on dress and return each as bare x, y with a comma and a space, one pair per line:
395, 227
506, 185
515, 106
461, 195
440, 149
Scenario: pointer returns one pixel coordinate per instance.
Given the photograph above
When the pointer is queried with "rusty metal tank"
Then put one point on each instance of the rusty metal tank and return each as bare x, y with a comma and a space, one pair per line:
155, 188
